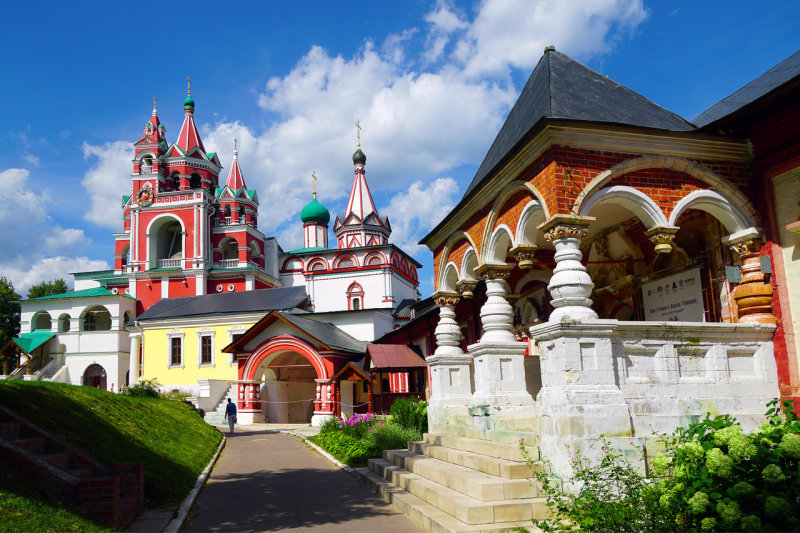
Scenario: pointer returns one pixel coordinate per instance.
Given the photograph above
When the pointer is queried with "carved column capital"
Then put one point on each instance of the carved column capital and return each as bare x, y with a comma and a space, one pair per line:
466, 288
488, 271
446, 298
662, 237
565, 226
524, 254
746, 248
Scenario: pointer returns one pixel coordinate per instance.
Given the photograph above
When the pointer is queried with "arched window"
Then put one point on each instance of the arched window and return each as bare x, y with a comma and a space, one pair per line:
97, 319
345, 262
63, 323
146, 165
167, 243
355, 297
241, 215
230, 248
126, 318
319, 265
175, 180
95, 376
374, 259
226, 214
42, 320
195, 181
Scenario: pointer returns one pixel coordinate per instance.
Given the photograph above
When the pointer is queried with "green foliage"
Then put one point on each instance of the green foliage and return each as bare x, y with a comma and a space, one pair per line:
330, 425
391, 436
9, 312
749, 481
24, 510
174, 443
144, 388
347, 449
611, 497
714, 477
410, 413
48, 288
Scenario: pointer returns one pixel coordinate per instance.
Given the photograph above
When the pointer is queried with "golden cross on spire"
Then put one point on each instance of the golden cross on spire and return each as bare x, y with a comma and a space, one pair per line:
235, 143
314, 180
189, 82
358, 132
154, 102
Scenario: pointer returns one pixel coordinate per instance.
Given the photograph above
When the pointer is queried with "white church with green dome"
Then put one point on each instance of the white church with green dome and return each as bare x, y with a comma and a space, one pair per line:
363, 272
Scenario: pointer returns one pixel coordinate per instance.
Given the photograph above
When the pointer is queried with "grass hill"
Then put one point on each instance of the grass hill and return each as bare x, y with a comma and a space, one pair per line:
168, 436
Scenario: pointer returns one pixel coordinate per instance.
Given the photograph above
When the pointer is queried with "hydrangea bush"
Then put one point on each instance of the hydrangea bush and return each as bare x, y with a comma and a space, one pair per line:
716, 477
713, 477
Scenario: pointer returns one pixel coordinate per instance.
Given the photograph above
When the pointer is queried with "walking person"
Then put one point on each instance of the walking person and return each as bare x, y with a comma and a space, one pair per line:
230, 414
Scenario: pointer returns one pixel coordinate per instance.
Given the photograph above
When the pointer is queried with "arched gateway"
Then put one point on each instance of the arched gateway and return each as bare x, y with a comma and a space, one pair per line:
287, 367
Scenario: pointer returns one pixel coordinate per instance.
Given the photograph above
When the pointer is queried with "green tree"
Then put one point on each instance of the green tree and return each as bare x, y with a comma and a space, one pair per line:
9, 311
48, 288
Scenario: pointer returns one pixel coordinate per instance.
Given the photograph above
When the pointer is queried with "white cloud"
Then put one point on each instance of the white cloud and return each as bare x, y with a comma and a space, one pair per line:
513, 33
30, 238
107, 180
31, 159
416, 211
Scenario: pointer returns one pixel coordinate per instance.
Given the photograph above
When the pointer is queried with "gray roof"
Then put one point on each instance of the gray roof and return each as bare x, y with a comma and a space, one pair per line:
326, 333
761, 86
562, 88
262, 300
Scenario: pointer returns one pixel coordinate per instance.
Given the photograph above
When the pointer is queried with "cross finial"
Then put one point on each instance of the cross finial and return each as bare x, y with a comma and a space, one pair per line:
358, 132
189, 82
314, 180
154, 105
235, 144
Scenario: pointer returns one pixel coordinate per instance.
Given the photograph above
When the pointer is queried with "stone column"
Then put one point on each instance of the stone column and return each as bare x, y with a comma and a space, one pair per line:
450, 367
570, 285
753, 294
498, 358
324, 403
133, 365
466, 288
662, 238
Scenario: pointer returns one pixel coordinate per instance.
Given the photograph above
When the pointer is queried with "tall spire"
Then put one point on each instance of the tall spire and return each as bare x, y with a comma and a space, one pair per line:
189, 137
235, 177
360, 202
155, 109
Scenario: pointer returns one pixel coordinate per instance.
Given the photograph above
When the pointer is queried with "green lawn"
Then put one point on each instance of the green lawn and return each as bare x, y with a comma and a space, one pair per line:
171, 439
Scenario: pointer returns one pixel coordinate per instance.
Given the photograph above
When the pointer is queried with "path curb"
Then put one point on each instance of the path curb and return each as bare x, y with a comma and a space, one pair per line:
322, 452
186, 505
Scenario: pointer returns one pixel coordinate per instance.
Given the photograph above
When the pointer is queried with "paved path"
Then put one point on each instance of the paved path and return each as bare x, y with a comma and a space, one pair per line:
269, 481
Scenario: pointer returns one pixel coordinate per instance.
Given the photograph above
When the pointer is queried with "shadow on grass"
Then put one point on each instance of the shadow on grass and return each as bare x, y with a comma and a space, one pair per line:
114, 429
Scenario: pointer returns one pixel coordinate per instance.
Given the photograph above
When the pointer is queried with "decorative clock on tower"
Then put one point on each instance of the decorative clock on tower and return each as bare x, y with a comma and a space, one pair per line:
145, 197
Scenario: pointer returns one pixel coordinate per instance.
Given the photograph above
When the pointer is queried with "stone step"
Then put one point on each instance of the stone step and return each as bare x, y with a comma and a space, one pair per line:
498, 450
9, 430
501, 435
59, 460
35, 445
424, 514
463, 507
495, 466
478, 485
81, 473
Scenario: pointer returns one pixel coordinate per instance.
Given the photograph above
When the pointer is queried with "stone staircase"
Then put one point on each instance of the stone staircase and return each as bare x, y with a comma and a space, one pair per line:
462, 480
217, 416
50, 370
39, 460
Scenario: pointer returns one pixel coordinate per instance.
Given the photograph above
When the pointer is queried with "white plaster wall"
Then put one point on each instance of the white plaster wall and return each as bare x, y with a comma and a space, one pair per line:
363, 325
292, 279
330, 290
786, 191
402, 289
81, 284
115, 365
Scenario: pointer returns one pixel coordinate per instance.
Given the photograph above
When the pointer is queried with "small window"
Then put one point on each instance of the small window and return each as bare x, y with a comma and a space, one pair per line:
176, 353
345, 262
356, 304
205, 350
236, 336
195, 181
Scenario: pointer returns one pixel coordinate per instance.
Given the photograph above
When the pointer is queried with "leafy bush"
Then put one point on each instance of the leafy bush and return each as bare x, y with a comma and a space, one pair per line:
410, 413
611, 497
349, 450
144, 388
330, 425
391, 436
715, 477
719, 478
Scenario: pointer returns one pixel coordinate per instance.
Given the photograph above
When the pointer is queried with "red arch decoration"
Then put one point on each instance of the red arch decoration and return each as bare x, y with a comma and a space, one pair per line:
280, 343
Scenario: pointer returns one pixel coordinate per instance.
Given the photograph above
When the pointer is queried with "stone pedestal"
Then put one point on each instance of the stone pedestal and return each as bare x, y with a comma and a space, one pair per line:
580, 400
324, 402
570, 285
450, 367
498, 357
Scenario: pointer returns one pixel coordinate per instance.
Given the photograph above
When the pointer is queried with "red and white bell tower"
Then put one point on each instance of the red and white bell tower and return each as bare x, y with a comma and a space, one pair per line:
183, 234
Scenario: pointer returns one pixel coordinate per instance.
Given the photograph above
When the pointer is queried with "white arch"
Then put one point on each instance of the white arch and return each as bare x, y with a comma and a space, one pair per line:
529, 211
727, 212
502, 197
151, 239
533, 275
468, 264
631, 199
450, 278
490, 254
675, 163
454, 239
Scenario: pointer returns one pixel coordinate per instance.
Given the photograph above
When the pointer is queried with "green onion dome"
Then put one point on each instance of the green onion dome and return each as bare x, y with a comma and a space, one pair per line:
188, 102
359, 157
315, 212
